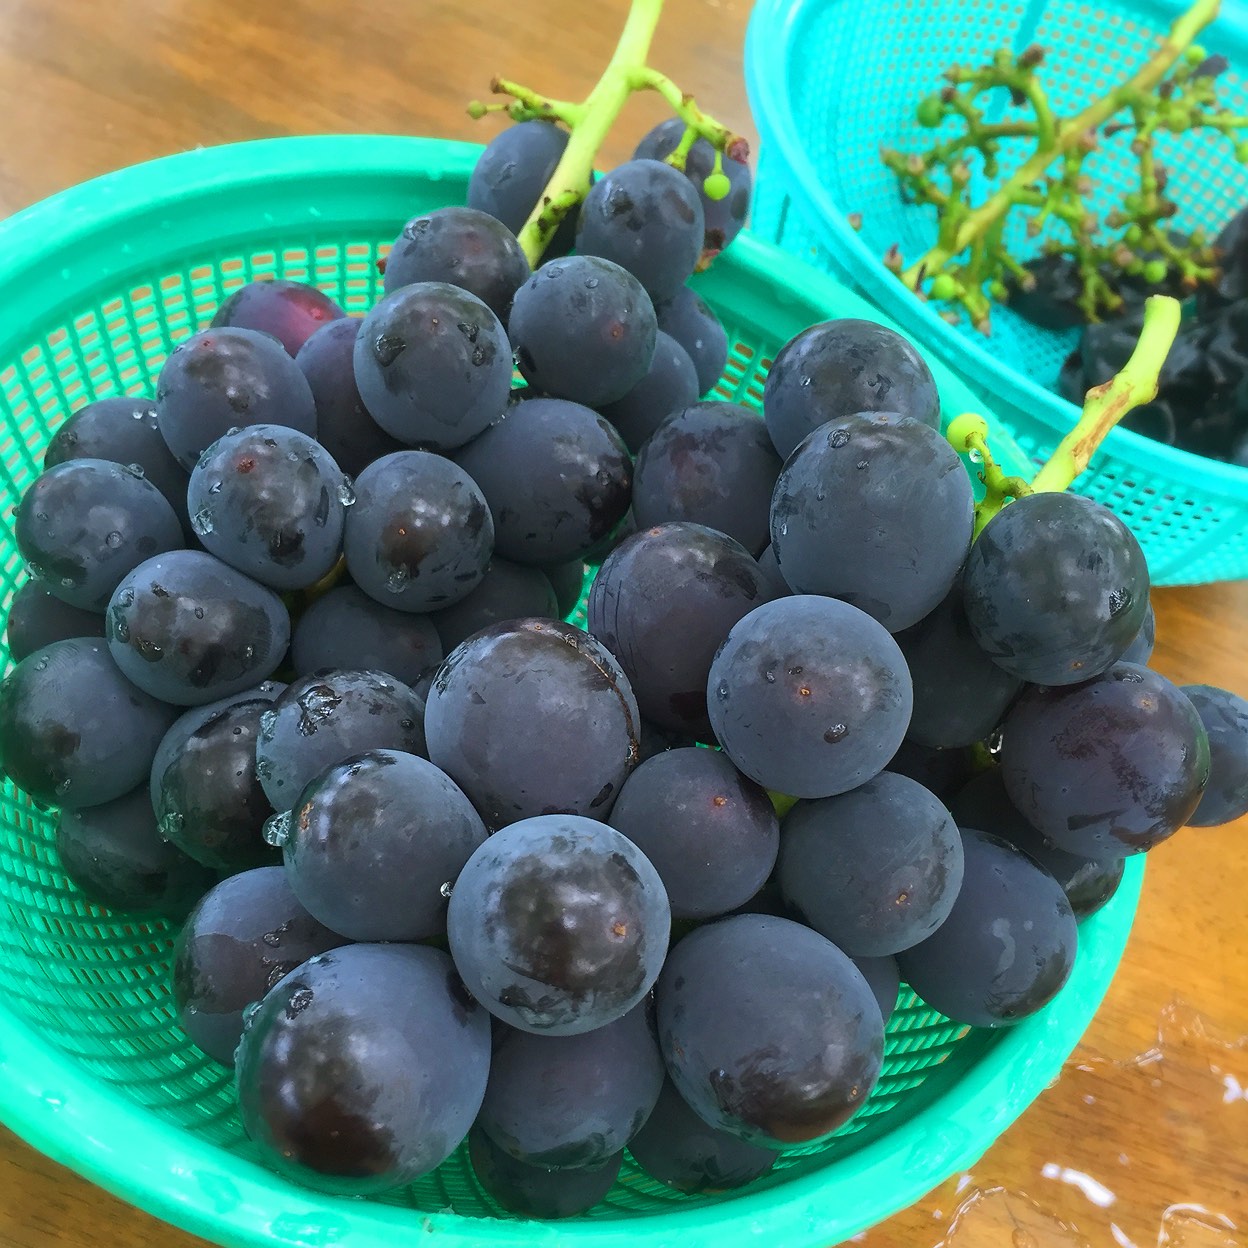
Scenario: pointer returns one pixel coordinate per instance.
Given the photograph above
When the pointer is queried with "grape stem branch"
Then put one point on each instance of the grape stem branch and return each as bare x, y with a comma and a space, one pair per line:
1103, 407
590, 121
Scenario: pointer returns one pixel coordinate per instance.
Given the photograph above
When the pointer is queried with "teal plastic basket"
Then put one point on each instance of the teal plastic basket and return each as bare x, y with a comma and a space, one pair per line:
832, 81
96, 285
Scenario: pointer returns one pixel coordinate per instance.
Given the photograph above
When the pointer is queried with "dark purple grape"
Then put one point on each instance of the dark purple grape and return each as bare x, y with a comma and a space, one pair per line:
573, 1102
420, 535
711, 464
373, 845
568, 582
538, 1191
883, 976
433, 365
246, 933
984, 804
463, 247
37, 618
509, 591
960, 694
270, 502
84, 524
345, 628
679, 1149
670, 385
557, 478
625, 529
583, 329
343, 424
511, 174
329, 1067
774, 580
1055, 588
769, 1031
123, 430
325, 718
875, 870
646, 217
711, 834
291, 312
559, 925
1141, 649
942, 772
724, 217
689, 319
1049, 293
1107, 768
877, 512
1006, 948
74, 731
1225, 719
114, 853
809, 696
480, 722
204, 786
837, 368
222, 379
189, 629
663, 603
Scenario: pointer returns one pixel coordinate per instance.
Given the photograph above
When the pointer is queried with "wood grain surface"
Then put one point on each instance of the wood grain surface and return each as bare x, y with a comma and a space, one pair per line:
89, 86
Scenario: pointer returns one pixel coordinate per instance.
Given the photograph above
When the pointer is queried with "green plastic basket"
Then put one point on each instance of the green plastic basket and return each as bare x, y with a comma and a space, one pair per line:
831, 81
96, 285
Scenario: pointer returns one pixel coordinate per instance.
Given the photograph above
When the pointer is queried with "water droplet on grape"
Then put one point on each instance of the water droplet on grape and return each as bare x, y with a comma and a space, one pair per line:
268, 722
201, 522
67, 582
397, 579
42, 664
346, 491
199, 613
113, 540
138, 413
839, 438
170, 825
805, 381
215, 488
136, 470
445, 890
249, 1014
41, 515
721, 691
591, 283
836, 733
62, 788
277, 829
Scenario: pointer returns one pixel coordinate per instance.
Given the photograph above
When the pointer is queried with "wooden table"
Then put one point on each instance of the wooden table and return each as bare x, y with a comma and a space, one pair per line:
86, 87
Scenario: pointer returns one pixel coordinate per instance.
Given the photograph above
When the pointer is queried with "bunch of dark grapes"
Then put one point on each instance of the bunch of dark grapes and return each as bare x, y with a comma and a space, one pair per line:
293, 664
1202, 394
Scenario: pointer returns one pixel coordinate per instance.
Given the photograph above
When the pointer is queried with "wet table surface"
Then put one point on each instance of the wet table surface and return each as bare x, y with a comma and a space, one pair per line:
1144, 1140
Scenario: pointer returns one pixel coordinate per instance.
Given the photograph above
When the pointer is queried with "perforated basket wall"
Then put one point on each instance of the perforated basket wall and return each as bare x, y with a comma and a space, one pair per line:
95, 287
831, 81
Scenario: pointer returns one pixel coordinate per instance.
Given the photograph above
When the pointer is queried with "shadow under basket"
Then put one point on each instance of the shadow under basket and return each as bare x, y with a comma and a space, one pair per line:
96, 286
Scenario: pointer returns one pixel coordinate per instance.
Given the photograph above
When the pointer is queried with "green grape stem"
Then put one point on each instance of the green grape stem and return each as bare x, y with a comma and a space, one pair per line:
1172, 92
1105, 405
590, 121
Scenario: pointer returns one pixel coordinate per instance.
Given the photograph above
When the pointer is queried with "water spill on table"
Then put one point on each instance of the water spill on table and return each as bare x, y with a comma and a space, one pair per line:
1147, 1152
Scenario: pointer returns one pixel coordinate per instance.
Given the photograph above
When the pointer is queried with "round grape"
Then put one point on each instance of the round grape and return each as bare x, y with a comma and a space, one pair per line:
189, 629
1107, 768
84, 524
768, 1030
1007, 946
839, 367
363, 1069
538, 1191
876, 513
689, 319
669, 386
222, 379
420, 535
509, 591
559, 925
480, 716
73, 730
809, 696
463, 247
291, 312
1225, 718
583, 329
37, 618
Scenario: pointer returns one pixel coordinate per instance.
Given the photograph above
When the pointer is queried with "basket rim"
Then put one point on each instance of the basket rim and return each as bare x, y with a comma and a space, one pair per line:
770, 37
52, 1102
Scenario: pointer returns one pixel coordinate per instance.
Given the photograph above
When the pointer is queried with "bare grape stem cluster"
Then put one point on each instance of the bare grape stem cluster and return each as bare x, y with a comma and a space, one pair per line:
591, 119
1173, 93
